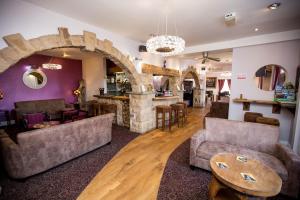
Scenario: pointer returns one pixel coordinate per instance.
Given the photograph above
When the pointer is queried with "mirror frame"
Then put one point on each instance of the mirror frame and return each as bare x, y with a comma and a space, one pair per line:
285, 71
37, 71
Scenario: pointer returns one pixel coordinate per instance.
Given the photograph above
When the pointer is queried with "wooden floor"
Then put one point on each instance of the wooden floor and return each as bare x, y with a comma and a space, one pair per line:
136, 170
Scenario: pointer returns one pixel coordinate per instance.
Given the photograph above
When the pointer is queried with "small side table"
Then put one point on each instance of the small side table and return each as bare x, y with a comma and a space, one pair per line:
5, 113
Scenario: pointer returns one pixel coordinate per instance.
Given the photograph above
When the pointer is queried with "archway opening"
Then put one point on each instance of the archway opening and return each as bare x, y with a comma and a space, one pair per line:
190, 83
20, 49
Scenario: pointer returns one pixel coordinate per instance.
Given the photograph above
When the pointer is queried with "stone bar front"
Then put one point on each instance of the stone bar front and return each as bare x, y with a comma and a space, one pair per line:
122, 102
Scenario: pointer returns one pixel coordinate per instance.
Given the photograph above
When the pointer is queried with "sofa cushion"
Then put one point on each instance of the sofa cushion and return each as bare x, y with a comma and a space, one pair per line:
34, 118
208, 149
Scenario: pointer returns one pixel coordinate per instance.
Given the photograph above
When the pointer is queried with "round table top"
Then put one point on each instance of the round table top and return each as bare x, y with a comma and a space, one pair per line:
245, 175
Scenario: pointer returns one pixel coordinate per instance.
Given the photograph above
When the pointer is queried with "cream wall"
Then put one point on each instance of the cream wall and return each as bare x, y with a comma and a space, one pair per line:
246, 60
93, 72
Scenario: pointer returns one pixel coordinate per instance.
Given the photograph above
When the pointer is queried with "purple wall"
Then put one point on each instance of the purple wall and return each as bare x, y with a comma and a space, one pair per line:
60, 83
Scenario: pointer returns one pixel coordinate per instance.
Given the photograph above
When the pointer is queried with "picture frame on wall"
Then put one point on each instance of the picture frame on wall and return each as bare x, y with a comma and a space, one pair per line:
211, 82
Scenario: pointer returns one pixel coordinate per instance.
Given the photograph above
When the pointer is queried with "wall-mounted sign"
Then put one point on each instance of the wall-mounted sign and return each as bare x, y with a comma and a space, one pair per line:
241, 76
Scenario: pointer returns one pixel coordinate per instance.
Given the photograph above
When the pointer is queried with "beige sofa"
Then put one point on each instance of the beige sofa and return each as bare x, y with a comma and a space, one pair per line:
42, 149
254, 140
52, 107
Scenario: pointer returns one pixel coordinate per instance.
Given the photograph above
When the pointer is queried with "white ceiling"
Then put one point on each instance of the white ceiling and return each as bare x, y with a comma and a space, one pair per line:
198, 21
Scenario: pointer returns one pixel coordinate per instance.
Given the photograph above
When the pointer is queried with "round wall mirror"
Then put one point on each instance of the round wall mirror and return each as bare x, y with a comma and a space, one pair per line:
34, 78
268, 77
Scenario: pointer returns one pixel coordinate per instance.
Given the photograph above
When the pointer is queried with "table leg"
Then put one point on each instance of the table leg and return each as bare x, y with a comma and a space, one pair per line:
215, 192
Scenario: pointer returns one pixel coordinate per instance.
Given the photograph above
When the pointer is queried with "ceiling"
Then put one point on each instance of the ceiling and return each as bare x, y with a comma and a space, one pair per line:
225, 56
197, 21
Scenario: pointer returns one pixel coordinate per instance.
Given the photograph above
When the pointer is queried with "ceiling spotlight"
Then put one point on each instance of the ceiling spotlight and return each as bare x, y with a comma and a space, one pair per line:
256, 29
274, 6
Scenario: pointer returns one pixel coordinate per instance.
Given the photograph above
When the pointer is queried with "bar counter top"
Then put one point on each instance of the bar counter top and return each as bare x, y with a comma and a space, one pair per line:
121, 98
159, 98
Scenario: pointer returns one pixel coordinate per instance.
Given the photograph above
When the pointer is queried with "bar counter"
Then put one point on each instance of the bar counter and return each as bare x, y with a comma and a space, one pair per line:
122, 102
159, 98
122, 98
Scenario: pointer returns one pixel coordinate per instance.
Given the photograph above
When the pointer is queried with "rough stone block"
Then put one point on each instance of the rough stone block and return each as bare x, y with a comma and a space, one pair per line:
64, 36
89, 40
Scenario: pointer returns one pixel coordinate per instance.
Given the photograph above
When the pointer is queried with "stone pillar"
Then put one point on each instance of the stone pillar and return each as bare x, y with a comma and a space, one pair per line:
202, 98
180, 94
142, 118
196, 98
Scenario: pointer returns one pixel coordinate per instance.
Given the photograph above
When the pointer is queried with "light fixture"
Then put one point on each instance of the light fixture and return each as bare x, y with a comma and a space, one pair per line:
165, 45
226, 74
52, 66
256, 29
274, 6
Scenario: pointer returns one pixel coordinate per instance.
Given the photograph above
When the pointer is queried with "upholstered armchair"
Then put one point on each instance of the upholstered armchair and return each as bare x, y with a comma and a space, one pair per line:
31, 119
256, 141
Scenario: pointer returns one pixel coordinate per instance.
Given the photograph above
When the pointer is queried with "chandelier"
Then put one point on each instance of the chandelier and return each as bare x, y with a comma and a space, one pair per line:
52, 66
165, 45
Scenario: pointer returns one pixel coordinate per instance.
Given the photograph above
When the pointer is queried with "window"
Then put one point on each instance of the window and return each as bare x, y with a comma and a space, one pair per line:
225, 87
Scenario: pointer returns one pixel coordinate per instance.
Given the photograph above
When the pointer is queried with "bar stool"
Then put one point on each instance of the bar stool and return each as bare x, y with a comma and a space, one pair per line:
110, 108
95, 109
185, 110
178, 110
163, 110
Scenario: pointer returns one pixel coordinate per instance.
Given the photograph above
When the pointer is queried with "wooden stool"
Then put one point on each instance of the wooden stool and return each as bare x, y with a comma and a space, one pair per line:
185, 110
163, 110
95, 109
179, 111
110, 108
268, 120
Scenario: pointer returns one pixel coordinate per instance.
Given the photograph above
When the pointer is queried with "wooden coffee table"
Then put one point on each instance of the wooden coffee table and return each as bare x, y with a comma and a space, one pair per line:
242, 178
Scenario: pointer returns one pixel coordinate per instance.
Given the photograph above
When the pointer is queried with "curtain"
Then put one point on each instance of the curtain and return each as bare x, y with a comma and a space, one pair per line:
276, 75
221, 84
260, 82
229, 83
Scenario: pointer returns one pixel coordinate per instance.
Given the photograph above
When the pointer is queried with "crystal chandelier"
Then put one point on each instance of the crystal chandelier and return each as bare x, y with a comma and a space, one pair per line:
165, 45
52, 66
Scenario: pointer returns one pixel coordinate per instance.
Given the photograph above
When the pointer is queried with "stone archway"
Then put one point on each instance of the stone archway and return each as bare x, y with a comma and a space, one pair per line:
19, 48
196, 91
190, 70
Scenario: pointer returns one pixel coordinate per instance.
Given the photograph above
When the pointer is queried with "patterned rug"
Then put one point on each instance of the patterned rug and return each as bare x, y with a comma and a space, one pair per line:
66, 181
182, 183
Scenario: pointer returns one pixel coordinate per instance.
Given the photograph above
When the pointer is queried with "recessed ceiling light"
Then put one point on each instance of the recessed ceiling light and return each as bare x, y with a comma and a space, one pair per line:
256, 29
274, 6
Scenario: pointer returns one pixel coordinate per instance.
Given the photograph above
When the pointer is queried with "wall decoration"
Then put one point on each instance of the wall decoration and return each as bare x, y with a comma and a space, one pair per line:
1, 95
34, 78
211, 82
269, 77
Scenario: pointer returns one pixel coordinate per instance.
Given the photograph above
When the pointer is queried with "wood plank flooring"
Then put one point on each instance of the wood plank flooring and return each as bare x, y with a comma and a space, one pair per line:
136, 170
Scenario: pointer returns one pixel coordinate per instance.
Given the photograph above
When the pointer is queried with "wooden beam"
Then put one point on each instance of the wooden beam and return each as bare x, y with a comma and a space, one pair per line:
152, 69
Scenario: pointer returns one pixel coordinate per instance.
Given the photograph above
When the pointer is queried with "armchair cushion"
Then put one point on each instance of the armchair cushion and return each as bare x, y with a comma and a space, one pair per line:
208, 149
34, 118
